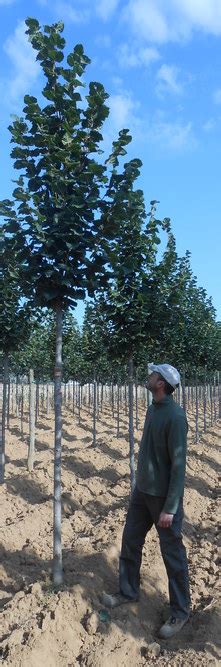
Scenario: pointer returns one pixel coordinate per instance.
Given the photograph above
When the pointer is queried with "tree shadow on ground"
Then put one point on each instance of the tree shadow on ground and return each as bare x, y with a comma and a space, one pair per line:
199, 484
42, 446
18, 463
42, 426
204, 440
89, 575
68, 437
28, 489
84, 426
110, 451
204, 458
17, 431
86, 470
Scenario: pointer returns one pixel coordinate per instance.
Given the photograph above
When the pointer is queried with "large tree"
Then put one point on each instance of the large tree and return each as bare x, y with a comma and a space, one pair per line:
57, 149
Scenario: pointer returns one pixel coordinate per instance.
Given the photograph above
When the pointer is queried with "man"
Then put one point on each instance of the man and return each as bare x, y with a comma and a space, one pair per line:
158, 499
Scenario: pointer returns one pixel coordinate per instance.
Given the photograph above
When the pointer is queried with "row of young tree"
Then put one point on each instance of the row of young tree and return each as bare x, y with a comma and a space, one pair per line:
75, 228
90, 351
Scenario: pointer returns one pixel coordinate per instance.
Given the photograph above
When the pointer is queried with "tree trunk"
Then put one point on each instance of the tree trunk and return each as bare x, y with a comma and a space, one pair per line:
197, 412
79, 403
211, 403
188, 396
73, 401
47, 400
184, 390
131, 424
98, 398
136, 401
69, 394
8, 405
31, 449
219, 395
16, 397
4, 414
118, 410
95, 413
192, 397
57, 562
89, 398
112, 398
204, 402
214, 398
12, 393
37, 402
102, 396
22, 407
125, 398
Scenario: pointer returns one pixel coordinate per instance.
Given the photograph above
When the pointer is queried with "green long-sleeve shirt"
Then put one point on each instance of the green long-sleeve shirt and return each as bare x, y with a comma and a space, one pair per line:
162, 454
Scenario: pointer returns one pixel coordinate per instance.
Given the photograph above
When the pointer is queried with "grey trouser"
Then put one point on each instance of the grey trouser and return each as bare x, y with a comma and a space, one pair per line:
144, 511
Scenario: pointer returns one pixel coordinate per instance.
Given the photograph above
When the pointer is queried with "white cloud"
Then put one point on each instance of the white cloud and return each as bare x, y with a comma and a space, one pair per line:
146, 20
129, 57
122, 110
159, 21
106, 8
124, 113
172, 136
167, 80
23, 60
217, 96
67, 12
209, 125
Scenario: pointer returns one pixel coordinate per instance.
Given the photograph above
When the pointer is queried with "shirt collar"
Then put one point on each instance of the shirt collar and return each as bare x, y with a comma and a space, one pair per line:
164, 401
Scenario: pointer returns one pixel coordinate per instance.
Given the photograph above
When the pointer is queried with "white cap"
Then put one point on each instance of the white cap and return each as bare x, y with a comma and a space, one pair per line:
169, 373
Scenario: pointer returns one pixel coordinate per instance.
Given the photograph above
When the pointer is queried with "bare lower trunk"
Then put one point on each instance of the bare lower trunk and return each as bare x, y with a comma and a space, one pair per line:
136, 401
211, 403
37, 402
8, 405
184, 390
95, 413
79, 403
4, 412
102, 396
118, 411
73, 397
112, 398
131, 425
16, 397
57, 562
125, 398
89, 398
204, 402
22, 407
219, 395
197, 411
31, 449
47, 399
214, 398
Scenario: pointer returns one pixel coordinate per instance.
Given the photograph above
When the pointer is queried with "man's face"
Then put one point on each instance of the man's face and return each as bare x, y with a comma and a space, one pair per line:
155, 382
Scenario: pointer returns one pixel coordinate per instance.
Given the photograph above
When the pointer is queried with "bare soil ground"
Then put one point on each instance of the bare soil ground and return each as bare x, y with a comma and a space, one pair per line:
71, 627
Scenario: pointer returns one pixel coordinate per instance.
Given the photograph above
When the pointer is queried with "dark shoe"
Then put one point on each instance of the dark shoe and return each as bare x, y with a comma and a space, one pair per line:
113, 601
171, 627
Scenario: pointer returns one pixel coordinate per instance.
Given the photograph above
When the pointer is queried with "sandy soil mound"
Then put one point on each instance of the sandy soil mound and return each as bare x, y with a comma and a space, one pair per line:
41, 627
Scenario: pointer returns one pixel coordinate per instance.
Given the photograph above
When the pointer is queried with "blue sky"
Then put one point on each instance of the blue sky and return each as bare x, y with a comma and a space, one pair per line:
160, 61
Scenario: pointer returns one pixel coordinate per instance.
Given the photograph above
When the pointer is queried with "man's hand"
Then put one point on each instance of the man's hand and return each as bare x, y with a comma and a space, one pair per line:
165, 520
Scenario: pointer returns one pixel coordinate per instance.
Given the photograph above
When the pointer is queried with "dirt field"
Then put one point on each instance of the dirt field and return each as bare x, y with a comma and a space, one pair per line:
40, 627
